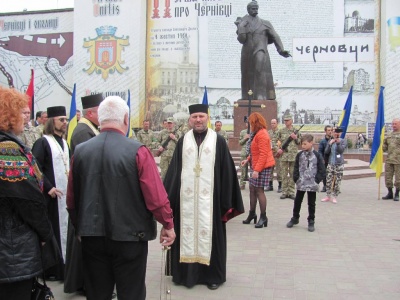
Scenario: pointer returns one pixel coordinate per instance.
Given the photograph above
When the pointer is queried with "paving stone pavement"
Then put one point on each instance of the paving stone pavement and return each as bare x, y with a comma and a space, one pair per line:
353, 253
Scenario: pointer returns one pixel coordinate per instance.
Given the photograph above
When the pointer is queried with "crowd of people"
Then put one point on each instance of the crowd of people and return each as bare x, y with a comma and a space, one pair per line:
91, 206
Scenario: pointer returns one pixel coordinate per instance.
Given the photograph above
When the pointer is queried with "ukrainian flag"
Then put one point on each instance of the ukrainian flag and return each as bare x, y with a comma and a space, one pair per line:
129, 133
205, 101
394, 32
376, 160
73, 121
345, 117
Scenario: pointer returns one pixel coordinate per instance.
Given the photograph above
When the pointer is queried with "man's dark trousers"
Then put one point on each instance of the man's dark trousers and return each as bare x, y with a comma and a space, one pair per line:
108, 263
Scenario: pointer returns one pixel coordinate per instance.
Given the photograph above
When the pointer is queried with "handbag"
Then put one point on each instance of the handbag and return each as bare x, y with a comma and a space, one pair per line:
41, 291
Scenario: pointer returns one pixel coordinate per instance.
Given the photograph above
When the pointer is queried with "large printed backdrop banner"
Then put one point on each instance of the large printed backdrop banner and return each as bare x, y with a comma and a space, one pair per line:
109, 39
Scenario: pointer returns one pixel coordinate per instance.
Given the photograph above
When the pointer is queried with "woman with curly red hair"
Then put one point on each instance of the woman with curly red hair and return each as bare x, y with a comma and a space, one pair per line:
24, 225
261, 162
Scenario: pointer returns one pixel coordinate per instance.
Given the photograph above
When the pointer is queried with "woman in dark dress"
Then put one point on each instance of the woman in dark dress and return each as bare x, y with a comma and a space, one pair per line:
24, 225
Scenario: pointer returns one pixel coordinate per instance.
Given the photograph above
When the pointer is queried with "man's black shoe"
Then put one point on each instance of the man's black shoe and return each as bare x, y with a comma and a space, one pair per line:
213, 286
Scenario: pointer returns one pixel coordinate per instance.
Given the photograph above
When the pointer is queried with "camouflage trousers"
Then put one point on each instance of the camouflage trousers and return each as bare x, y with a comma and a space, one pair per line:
277, 169
390, 171
243, 170
164, 164
287, 168
334, 175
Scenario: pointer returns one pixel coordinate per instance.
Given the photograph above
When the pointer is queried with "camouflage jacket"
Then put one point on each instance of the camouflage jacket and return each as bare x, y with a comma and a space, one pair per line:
147, 138
39, 129
243, 142
224, 134
274, 139
29, 135
291, 151
391, 145
163, 137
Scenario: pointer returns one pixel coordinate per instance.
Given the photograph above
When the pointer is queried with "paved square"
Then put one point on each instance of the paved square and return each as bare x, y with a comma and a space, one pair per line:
354, 252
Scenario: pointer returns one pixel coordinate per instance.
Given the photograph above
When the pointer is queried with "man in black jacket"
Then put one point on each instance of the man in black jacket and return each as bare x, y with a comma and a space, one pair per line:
114, 195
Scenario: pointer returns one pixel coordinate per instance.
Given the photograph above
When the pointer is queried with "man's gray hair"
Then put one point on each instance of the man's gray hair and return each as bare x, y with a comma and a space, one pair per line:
113, 109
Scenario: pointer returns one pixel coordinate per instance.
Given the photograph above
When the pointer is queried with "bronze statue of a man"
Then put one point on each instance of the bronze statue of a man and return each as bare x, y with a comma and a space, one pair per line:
255, 34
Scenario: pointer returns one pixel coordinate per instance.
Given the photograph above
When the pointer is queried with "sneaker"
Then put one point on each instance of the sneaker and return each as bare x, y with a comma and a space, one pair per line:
334, 200
326, 199
292, 222
283, 196
292, 197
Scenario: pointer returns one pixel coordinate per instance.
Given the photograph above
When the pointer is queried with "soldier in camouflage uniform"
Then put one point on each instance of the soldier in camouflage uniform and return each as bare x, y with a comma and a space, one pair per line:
43, 120
273, 133
184, 128
146, 136
218, 130
243, 138
30, 134
288, 156
391, 145
171, 135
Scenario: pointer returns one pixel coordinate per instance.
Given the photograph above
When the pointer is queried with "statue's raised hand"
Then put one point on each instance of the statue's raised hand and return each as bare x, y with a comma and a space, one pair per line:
285, 53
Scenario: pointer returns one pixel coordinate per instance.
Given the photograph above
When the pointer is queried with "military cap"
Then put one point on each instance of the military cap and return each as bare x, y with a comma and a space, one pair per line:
170, 120
338, 129
287, 117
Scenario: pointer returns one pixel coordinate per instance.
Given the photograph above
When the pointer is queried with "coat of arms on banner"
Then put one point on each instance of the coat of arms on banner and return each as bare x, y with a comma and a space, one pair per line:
105, 52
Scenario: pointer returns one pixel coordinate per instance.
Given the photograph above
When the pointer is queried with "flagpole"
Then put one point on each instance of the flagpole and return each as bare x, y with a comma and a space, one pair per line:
379, 186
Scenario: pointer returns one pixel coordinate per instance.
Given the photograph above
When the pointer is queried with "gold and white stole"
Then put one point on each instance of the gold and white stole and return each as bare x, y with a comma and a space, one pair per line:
60, 159
90, 124
196, 198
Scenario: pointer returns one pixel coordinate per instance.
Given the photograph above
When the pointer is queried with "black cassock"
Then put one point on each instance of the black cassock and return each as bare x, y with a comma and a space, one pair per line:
227, 204
42, 151
73, 280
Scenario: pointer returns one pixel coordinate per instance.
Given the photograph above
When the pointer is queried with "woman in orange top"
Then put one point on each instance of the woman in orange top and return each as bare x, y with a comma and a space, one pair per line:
261, 162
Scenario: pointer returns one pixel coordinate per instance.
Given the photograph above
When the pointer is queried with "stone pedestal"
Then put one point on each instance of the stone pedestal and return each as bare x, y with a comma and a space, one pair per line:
270, 111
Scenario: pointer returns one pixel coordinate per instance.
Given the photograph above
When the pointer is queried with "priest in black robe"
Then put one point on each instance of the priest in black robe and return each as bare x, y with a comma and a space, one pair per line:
204, 192
86, 129
52, 154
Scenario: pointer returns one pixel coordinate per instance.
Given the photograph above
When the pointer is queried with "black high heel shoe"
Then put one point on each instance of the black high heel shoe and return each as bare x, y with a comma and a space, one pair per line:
252, 215
263, 221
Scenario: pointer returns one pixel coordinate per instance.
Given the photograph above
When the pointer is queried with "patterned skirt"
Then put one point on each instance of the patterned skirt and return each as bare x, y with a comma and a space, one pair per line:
264, 177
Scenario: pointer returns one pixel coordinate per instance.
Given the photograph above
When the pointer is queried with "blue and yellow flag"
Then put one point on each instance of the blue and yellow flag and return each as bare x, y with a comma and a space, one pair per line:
394, 32
345, 116
73, 121
205, 101
129, 133
376, 160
